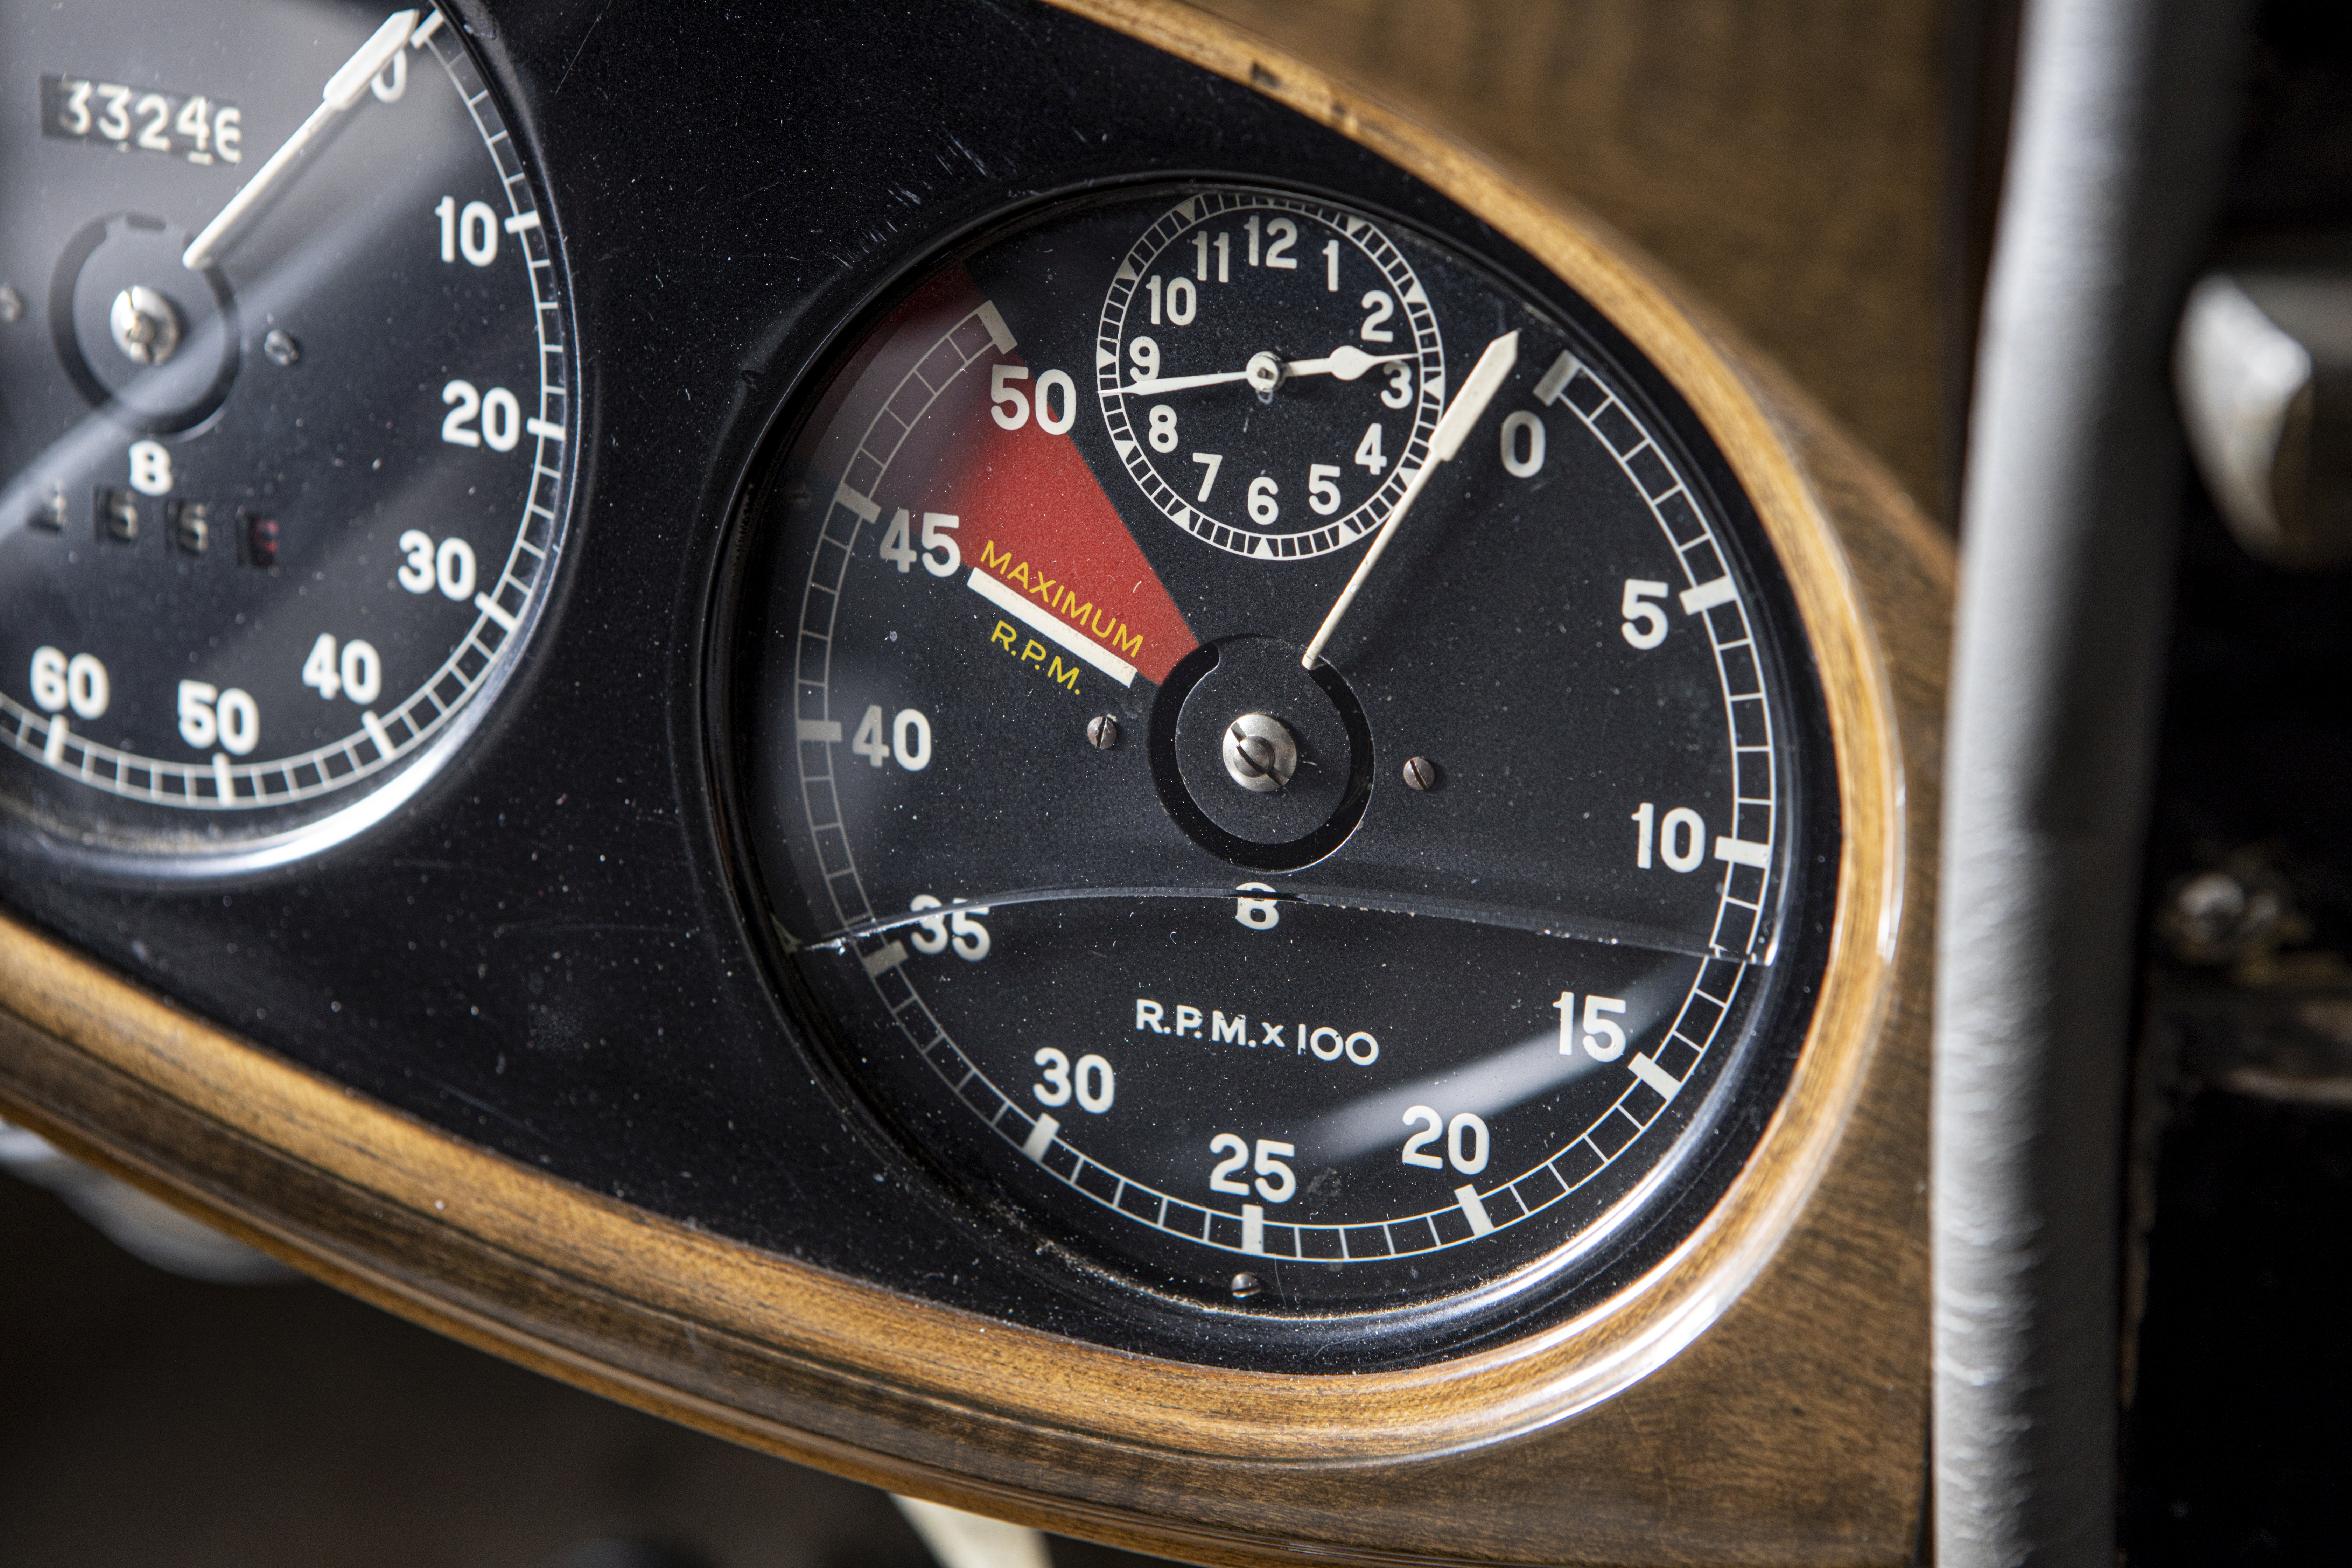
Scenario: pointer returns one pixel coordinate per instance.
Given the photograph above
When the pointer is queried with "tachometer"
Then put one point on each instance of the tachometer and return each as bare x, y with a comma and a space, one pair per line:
284, 419
1414, 897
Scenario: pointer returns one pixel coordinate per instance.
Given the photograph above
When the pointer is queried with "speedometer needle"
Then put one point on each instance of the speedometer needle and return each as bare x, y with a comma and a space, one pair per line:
1455, 425
342, 90
1345, 362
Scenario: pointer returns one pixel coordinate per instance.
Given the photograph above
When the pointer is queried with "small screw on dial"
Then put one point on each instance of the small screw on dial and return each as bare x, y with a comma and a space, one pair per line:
12, 305
281, 348
1421, 772
1244, 1286
1102, 731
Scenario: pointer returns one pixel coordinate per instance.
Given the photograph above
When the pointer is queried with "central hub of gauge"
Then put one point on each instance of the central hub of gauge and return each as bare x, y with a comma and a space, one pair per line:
141, 337
1258, 759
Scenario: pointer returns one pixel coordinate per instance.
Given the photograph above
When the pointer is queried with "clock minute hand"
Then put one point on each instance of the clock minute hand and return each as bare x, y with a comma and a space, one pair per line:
1453, 426
341, 91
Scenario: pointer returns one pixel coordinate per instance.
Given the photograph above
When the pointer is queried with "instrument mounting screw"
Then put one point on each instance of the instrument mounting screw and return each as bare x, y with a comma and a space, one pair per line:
1421, 772
1102, 730
1244, 1286
281, 348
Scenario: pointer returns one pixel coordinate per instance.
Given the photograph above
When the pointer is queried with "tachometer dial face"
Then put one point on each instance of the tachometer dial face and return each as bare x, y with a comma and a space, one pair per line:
1455, 963
284, 416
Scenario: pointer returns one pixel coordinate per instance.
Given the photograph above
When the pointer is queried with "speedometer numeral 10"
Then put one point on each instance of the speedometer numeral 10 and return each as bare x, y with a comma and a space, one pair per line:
473, 232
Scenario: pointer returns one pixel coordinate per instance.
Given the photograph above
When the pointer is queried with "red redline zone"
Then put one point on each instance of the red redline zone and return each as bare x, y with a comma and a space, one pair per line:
1030, 513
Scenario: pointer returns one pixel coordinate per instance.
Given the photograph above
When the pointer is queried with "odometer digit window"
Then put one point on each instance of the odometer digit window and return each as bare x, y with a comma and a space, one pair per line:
284, 465
1462, 959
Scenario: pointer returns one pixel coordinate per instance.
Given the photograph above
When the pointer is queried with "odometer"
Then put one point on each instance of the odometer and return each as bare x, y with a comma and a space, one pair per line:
1451, 956
286, 387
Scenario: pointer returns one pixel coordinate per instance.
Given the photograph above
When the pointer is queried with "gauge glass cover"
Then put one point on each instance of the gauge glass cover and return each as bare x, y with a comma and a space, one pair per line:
1500, 981
273, 529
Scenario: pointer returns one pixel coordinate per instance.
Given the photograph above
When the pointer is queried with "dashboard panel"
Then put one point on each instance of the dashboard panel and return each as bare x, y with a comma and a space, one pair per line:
568, 1042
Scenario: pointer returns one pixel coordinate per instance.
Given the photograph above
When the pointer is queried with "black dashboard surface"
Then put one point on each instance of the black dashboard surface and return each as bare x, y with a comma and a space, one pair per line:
542, 953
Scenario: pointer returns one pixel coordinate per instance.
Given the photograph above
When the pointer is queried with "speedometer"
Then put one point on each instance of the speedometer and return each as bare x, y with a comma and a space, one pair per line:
1279, 761
284, 420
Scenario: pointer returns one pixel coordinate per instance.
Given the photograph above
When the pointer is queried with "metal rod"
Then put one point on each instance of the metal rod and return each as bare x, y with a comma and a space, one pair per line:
2073, 481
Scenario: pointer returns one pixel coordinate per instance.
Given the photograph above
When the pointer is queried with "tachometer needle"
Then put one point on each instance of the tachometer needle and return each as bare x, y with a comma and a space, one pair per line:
1455, 425
342, 90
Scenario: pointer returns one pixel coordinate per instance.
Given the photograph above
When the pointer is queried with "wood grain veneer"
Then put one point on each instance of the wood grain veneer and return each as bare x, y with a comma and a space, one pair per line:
1758, 1397
1795, 164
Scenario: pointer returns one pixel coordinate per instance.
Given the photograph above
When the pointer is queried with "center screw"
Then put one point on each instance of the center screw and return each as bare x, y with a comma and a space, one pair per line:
145, 325
1264, 372
1260, 753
